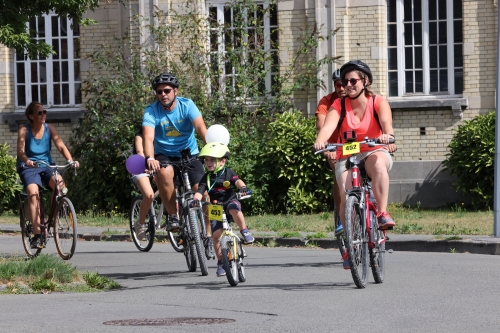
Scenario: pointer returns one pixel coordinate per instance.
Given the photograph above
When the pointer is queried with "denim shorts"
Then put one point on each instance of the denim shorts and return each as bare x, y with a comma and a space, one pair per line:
40, 175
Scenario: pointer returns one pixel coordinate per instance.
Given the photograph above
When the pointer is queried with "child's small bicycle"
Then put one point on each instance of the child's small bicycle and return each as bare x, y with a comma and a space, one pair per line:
230, 244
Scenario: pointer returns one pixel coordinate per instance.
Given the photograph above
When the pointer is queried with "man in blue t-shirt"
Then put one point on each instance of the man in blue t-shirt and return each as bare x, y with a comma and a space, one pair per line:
168, 126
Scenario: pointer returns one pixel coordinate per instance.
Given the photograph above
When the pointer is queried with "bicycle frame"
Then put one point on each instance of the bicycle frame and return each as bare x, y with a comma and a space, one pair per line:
362, 189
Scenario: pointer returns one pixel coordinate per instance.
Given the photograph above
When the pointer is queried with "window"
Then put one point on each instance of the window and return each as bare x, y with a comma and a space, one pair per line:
53, 81
424, 39
244, 30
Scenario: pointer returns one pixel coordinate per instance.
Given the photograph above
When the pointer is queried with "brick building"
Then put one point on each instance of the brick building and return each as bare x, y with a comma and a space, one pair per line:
420, 51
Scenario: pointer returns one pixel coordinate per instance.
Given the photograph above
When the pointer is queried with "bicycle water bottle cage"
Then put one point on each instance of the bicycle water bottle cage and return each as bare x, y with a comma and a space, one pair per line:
350, 136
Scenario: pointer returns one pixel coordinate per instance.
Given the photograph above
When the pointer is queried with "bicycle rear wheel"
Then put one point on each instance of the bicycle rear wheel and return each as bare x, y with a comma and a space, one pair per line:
357, 247
27, 231
227, 248
194, 219
65, 226
377, 252
143, 245
340, 237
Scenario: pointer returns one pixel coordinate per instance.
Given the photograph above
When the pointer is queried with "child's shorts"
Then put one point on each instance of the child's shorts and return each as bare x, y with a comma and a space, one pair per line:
233, 204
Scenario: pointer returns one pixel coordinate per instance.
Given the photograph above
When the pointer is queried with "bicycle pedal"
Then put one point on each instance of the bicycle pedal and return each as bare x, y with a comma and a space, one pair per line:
243, 253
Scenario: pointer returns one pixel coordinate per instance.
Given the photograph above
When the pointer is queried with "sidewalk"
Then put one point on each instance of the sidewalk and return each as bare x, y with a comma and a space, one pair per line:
396, 242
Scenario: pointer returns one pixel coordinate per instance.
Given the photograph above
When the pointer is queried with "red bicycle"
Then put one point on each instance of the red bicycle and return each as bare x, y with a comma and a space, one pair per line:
364, 241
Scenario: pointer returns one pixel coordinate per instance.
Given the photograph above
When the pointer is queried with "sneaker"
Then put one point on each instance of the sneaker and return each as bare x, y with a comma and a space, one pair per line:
140, 230
220, 269
172, 223
247, 236
345, 261
209, 248
36, 242
339, 230
385, 220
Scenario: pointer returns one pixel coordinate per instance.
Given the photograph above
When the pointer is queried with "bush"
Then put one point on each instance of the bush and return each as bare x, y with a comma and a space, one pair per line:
10, 185
299, 183
471, 159
104, 139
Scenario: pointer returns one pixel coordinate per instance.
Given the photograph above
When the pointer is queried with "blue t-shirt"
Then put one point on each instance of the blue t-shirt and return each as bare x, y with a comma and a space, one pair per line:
174, 129
37, 149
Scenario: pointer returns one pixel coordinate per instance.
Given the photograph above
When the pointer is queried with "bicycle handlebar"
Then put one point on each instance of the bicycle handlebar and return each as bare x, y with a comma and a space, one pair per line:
62, 167
238, 197
370, 142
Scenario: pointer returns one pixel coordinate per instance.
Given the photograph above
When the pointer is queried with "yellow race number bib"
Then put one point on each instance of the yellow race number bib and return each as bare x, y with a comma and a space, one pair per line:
350, 148
215, 212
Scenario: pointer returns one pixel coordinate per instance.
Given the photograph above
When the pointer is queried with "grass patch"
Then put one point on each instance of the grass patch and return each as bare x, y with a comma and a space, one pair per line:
289, 234
317, 235
47, 273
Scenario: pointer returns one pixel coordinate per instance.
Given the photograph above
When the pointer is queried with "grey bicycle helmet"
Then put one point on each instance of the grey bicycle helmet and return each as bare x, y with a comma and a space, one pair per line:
165, 78
356, 65
336, 75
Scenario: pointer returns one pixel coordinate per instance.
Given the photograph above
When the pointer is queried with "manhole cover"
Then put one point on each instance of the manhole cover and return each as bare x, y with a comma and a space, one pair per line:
169, 321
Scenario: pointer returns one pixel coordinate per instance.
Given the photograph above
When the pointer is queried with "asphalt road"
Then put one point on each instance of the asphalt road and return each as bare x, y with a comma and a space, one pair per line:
287, 290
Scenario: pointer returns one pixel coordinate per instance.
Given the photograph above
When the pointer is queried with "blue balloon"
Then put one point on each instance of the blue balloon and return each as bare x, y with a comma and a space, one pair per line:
136, 164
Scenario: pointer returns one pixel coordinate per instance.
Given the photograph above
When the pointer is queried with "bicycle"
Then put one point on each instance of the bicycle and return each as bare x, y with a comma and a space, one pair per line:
362, 235
61, 219
152, 222
230, 244
191, 233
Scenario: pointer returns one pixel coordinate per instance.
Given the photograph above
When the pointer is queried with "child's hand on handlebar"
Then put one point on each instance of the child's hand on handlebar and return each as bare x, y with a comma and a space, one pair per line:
244, 191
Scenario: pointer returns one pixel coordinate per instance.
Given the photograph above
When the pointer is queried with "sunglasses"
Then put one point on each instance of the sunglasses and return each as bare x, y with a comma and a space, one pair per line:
338, 85
166, 91
41, 112
351, 81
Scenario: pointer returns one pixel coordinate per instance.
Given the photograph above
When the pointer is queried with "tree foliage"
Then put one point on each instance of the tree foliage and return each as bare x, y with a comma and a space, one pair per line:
15, 16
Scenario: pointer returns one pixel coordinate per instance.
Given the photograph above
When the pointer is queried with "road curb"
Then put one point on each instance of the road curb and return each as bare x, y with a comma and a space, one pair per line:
445, 246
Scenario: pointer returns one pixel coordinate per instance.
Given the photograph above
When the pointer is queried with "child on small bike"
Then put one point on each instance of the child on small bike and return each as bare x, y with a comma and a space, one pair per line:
220, 181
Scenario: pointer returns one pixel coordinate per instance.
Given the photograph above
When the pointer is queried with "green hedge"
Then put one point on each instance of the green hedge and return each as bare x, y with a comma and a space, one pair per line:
471, 158
10, 184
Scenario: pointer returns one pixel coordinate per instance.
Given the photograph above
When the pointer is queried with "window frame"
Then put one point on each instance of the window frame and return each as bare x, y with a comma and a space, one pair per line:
426, 70
268, 28
50, 62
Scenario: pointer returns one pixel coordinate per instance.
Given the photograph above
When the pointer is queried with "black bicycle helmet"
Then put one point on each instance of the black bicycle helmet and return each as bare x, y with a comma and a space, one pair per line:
336, 75
356, 65
165, 78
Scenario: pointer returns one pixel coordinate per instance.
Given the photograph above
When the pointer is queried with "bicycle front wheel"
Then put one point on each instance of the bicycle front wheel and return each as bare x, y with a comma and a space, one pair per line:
189, 247
145, 244
357, 247
227, 247
65, 226
377, 252
27, 231
194, 220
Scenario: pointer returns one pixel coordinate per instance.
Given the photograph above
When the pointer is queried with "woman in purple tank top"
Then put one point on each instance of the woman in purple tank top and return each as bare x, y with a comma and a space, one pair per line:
33, 145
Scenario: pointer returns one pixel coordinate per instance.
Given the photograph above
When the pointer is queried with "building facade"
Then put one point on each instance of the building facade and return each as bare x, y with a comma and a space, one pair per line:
434, 60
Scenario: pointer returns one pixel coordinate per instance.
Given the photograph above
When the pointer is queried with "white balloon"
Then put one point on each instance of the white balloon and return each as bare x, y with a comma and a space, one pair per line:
217, 133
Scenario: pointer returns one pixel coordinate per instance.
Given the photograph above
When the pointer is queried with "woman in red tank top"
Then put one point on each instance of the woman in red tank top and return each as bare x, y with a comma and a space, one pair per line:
360, 116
